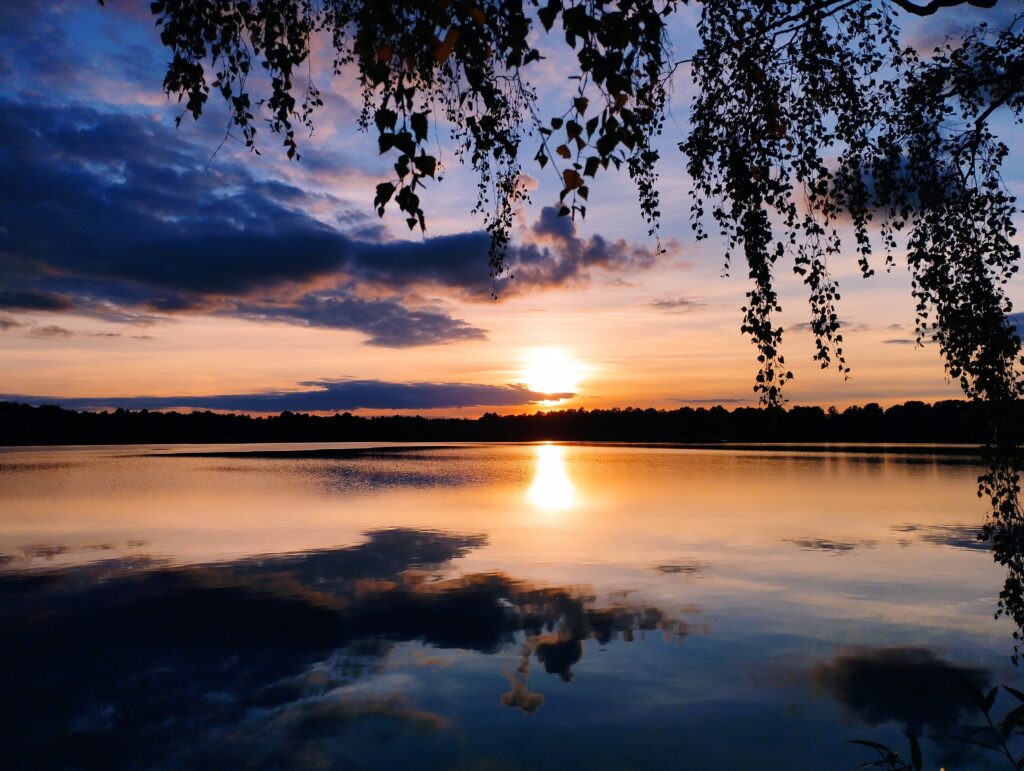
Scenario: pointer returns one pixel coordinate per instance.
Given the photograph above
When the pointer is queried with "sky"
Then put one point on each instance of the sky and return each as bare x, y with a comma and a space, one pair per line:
142, 267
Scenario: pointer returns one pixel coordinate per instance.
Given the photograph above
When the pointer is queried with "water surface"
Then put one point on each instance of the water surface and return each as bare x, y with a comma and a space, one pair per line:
490, 606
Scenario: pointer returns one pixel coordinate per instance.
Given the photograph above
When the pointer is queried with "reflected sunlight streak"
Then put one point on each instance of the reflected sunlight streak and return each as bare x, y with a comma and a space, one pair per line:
552, 488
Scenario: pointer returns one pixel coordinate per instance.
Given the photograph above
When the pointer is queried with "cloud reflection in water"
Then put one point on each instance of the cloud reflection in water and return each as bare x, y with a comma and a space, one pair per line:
269, 662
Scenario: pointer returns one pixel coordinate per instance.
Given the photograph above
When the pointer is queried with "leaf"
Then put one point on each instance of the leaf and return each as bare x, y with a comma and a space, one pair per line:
581, 103
426, 164
384, 192
590, 169
990, 699
1015, 693
444, 50
385, 119
572, 179
974, 692
420, 127
915, 753
563, 151
548, 13
1013, 719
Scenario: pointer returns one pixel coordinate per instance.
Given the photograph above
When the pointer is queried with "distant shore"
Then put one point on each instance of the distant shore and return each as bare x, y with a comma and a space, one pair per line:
952, 427
324, 453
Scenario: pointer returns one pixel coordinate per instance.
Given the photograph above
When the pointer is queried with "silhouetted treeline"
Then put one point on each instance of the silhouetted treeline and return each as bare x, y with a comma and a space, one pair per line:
946, 421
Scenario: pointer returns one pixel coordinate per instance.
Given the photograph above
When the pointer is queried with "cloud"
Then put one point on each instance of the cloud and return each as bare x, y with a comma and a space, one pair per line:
900, 341
849, 326
113, 215
322, 396
677, 304
110, 215
386, 321
28, 300
55, 331
9, 322
50, 330
552, 253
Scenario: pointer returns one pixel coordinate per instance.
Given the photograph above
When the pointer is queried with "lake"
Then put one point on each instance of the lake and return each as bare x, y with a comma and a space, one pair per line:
491, 606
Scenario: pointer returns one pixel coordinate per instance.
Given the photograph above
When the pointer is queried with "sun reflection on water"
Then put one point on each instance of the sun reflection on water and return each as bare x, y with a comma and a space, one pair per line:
552, 488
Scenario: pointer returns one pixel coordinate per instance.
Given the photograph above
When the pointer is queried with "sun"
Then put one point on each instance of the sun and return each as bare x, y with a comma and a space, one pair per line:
552, 371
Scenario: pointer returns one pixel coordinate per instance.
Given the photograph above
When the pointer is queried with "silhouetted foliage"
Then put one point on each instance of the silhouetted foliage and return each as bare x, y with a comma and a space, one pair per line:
807, 114
942, 422
994, 734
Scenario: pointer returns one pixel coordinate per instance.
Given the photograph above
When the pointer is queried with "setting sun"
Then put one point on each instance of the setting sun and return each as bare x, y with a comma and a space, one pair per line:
552, 371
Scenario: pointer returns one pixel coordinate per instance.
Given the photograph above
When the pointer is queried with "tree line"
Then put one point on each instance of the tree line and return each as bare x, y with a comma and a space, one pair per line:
952, 421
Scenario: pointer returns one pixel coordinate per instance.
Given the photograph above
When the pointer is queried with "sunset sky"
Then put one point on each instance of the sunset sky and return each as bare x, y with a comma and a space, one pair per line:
135, 271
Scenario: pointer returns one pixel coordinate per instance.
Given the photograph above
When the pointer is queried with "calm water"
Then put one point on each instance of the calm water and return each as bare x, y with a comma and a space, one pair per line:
528, 606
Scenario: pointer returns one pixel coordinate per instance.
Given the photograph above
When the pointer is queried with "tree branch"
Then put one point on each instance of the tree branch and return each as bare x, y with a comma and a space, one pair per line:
935, 5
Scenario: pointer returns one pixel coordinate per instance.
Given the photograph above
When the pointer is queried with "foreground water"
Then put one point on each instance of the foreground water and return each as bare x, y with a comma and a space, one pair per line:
527, 606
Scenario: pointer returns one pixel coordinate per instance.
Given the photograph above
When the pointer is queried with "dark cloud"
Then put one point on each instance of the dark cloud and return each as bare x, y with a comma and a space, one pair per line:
677, 304
9, 322
117, 216
323, 396
55, 331
554, 254
900, 341
849, 326
386, 321
50, 330
681, 568
114, 216
911, 686
28, 300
